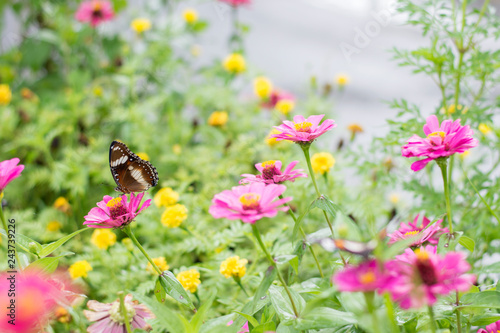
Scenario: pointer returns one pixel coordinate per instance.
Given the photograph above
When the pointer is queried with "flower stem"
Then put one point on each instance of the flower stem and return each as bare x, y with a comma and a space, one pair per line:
238, 282
273, 263
432, 319
292, 214
457, 311
443, 165
369, 297
131, 235
123, 310
4, 224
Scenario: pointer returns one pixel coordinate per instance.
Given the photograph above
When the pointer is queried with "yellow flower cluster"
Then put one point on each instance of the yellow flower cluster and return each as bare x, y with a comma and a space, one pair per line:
485, 129
143, 156
218, 118
262, 87
160, 262
190, 16
285, 106
233, 267
342, 80
140, 25
79, 269
452, 109
322, 162
62, 204
234, 63
54, 226
189, 279
174, 215
5, 94
103, 238
166, 197
272, 141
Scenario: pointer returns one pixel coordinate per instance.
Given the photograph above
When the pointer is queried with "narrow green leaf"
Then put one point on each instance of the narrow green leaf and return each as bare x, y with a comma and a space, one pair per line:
298, 223
201, 314
169, 319
467, 242
282, 305
175, 290
46, 265
484, 299
324, 318
49, 248
22, 241
160, 292
448, 242
249, 318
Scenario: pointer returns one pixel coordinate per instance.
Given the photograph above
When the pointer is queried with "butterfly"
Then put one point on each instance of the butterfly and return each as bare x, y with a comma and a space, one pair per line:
359, 248
130, 172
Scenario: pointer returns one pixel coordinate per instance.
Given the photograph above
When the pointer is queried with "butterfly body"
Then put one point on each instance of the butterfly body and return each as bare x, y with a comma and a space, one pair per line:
130, 172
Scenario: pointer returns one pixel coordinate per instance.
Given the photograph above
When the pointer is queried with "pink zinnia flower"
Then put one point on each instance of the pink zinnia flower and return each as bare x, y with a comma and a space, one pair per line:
9, 170
237, 3
271, 173
276, 96
303, 130
491, 328
419, 276
249, 203
441, 141
109, 319
427, 234
95, 12
115, 212
244, 328
367, 276
35, 300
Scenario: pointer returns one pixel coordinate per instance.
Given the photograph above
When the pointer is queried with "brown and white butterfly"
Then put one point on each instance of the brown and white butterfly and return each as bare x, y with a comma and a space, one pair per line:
130, 172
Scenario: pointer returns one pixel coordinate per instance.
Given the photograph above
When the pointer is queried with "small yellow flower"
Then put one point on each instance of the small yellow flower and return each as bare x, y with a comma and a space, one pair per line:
177, 149
262, 87
394, 198
322, 162
143, 156
140, 25
62, 204
160, 262
97, 91
103, 238
127, 242
54, 226
189, 279
174, 215
272, 141
218, 118
485, 129
235, 63
190, 15
452, 109
355, 128
5, 94
464, 155
62, 315
342, 80
79, 269
285, 106
233, 267
166, 197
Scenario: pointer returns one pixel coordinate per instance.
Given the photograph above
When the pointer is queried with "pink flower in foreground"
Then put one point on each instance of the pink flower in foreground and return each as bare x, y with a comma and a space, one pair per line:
491, 328
441, 141
427, 234
35, 300
115, 212
271, 173
9, 170
95, 12
367, 276
109, 319
249, 203
303, 130
237, 3
276, 96
420, 275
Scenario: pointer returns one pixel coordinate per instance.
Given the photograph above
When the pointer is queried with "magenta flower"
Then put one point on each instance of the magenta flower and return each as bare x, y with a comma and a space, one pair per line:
427, 234
249, 203
419, 276
95, 12
244, 328
9, 170
237, 3
276, 96
109, 319
303, 130
441, 141
491, 328
115, 212
271, 173
367, 276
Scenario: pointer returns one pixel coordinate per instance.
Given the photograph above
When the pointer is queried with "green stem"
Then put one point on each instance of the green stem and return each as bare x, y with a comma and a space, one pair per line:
123, 310
432, 319
273, 263
462, 51
457, 311
390, 313
292, 214
369, 297
131, 235
4, 223
443, 166
238, 282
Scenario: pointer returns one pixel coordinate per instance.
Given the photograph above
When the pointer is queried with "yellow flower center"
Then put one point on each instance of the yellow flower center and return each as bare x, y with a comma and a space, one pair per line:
116, 208
304, 126
115, 203
422, 255
250, 200
438, 133
411, 233
367, 278
97, 6
268, 164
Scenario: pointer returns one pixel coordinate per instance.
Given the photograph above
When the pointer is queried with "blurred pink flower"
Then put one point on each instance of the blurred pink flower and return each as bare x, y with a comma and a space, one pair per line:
419, 276
491, 328
109, 319
303, 130
271, 173
244, 328
115, 212
367, 276
9, 170
237, 3
249, 203
430, 234
95, 12
276, 96
35, 300
441, 141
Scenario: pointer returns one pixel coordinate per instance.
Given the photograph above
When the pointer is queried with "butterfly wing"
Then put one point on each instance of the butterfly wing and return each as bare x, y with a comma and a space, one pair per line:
130, 172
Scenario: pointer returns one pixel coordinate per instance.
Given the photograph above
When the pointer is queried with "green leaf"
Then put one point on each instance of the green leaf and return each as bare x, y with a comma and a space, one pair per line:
49, 248
22, 241
298, 222
282, 305
265, 327
485, 299
46, 265
248, 317
160, 292
485, 319
201, 314
175, 289
467, 242
448, 242
218, 325
324, 203
324, 317
169, 319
